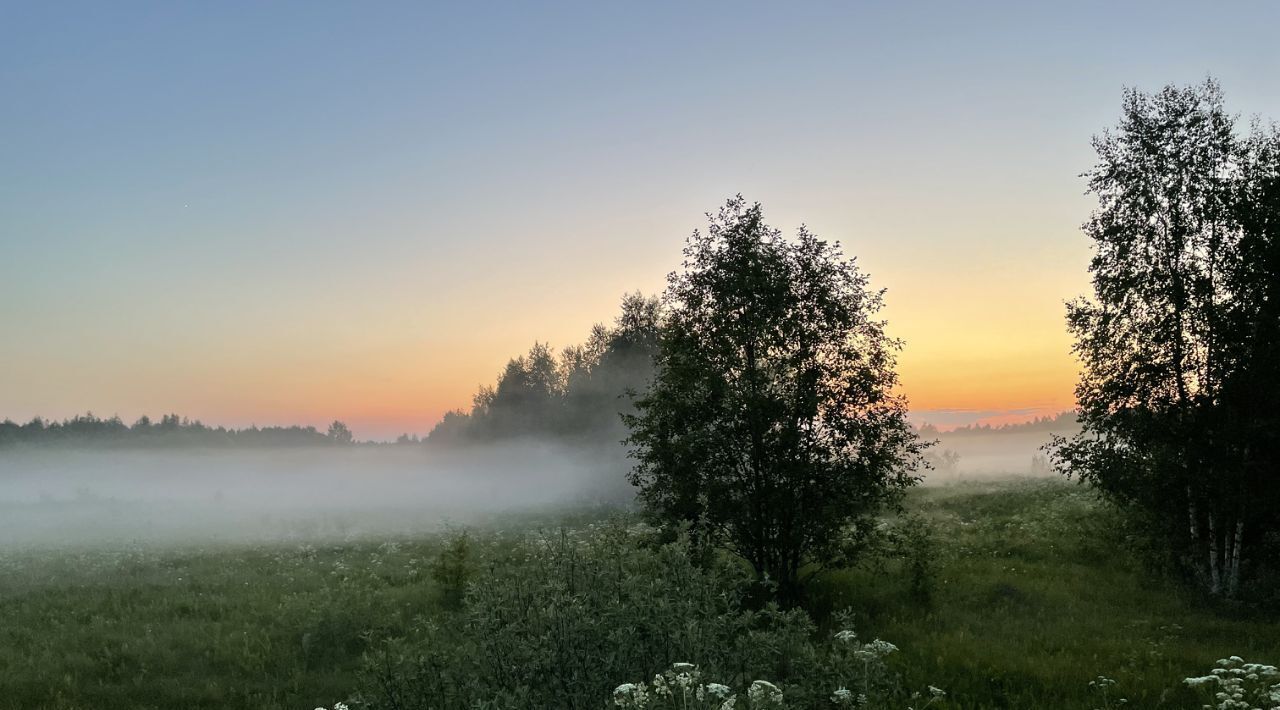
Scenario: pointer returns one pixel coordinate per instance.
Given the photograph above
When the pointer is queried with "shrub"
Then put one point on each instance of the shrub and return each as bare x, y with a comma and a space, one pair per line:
555, 620
451, 570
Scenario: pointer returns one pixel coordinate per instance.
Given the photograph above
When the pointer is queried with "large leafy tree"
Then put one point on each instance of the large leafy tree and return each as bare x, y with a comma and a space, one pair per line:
771, 425
1171, 341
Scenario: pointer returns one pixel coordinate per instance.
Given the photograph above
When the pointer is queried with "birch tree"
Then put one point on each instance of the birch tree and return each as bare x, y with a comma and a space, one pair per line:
1163, 338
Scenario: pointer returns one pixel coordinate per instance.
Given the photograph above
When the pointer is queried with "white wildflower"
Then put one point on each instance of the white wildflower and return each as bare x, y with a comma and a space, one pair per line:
762, 691
1240, 685
882, 648
875, 650
630, 695
1200, 680
717, 691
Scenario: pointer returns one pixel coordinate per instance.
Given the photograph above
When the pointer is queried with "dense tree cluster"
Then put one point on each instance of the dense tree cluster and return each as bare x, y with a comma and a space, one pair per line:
171, 431
578, 393
1178, 342
772, 427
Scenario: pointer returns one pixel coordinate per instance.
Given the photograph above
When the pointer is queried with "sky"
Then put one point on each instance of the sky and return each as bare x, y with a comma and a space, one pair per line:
274, 213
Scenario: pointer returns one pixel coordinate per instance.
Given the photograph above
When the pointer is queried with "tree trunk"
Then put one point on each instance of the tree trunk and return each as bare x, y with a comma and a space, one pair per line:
1194, 521
1233, 573
1215, 577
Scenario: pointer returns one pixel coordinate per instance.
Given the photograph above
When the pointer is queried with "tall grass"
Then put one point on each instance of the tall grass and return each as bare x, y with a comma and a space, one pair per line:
1023, 595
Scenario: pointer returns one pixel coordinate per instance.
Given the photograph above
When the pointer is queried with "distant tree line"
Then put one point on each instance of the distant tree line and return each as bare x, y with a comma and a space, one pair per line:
171, 431
1062, 422
578, 393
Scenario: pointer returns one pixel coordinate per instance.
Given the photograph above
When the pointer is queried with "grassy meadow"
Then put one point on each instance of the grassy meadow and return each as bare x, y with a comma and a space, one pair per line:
1029, 595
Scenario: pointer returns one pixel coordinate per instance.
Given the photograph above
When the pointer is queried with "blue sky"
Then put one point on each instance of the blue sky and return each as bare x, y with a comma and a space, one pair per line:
278, 212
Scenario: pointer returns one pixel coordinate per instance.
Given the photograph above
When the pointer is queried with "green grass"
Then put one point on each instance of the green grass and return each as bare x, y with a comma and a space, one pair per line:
1034, 596
244, 628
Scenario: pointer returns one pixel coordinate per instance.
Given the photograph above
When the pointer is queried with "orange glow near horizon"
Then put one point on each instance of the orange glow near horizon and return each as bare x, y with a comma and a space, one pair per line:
393, 358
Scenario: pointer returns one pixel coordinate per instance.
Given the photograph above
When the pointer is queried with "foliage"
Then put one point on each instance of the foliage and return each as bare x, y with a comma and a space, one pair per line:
771, 426
339, 433
1060, 422
170, 432
918, 547
579, 393
844, 660
452, 570
1176, 396
556, 618
1237, 685
277, 627
1034, 594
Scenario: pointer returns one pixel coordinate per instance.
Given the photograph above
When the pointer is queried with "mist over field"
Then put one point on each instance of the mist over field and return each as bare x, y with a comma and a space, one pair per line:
990, 455
88, 496
100, 496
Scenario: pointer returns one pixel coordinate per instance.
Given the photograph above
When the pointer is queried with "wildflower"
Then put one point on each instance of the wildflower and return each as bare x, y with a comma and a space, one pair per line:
630, 695
936, 692
718, 691
846, 636
882, 648
1102, 682
762, 691
1240, 685
875, 650
842, 696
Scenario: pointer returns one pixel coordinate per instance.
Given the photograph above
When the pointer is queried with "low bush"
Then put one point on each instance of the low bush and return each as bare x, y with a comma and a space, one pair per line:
555, 620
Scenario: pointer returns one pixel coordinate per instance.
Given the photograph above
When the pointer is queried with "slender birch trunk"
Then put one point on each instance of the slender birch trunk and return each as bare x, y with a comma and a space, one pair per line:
1215, 577
1233, 579
1194, 521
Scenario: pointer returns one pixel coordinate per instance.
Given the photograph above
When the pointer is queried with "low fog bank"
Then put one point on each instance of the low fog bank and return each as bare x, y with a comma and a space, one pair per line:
87, 497
113, 496
988, 455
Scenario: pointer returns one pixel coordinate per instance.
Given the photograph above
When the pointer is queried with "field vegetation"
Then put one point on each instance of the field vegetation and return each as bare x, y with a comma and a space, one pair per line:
1020, 595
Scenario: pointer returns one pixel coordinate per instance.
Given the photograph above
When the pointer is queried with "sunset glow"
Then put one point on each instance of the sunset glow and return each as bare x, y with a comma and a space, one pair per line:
309, 214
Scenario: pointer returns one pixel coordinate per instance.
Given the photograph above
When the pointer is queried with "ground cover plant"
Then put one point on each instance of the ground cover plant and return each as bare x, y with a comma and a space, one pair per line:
1027, 599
